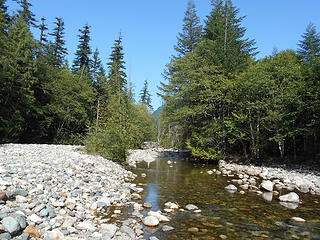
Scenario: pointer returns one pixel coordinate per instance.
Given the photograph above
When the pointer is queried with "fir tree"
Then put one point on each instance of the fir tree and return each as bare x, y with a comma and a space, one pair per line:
57, 48
43, 28
4, 17
227, 44
26, 13
98, 72
145, 96
117, 77
309, 46
82, 61
191, 31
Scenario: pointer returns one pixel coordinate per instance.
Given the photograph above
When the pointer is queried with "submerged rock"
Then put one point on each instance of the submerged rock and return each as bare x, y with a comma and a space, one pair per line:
191, 207
151, 221
231, 187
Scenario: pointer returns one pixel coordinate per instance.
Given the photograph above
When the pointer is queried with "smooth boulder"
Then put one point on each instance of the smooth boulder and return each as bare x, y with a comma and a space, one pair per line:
290, 197
267, 185
151, 221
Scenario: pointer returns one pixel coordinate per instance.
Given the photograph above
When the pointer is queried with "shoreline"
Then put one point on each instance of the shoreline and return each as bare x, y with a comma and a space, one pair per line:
58, 192
281, 179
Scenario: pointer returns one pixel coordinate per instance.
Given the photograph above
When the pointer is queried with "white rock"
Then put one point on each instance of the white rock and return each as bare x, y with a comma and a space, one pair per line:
54, 235
231, 187
191, 207
298, 219
151, 221
109, 229
171, 205
21, 199
35, 218
267, 196
88, 226
210, 172
267, 185
290, 197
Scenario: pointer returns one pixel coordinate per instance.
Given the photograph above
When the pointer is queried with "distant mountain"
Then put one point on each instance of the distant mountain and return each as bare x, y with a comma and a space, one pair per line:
158, 111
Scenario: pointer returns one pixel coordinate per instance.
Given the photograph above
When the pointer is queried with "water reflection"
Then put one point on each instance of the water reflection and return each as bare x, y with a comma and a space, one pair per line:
237, 216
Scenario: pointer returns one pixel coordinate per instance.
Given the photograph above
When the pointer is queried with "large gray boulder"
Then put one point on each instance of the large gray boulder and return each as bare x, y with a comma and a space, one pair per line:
11, 225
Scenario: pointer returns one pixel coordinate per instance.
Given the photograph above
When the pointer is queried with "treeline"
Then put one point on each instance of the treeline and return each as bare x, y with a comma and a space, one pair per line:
221, 102
44, 99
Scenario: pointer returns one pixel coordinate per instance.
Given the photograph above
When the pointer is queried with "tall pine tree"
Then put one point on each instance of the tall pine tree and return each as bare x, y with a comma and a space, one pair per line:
57, 49
226, 37
26, 13
117, 77
82, 61
145, 96
43, 28
191, 31
309, 46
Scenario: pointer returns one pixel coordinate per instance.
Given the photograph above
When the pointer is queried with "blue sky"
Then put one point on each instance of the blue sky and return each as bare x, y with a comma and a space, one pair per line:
150, 28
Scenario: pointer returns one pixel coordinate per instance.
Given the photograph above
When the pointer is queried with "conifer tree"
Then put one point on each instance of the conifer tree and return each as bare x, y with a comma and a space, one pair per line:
4, 17
191, 31
145, 96
228, 47
117, 77
26, 13
82, 61
57, 48
309, 46
43, 28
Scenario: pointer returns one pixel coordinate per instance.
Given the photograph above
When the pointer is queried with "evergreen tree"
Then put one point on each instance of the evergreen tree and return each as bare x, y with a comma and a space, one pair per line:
117, 77
309, 46
43, 28
191, 31
225, 35
97, 70
4, 17
82, 61
57, 49
145, 96
26, 13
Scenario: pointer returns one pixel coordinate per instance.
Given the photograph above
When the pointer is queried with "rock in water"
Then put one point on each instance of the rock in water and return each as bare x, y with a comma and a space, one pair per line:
191, 207
267, 185
231, 187
290, 197
298, 219
167, 228
267, 196
151, 221
11, 225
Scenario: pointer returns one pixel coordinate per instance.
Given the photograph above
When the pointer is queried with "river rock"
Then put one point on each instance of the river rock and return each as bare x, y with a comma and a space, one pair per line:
147, 205
191, 207
5, 236
193, 229
109, 229
289, 205
21, 220
54, 235
267, 185
171, 205
88, 226
3, 196
298, 219
35, 218
231, 187
290, 197
11, 225
32, 231
21, 199
151, 221
167, 228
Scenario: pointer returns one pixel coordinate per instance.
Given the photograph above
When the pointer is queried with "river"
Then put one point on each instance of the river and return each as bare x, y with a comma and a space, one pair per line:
224, 215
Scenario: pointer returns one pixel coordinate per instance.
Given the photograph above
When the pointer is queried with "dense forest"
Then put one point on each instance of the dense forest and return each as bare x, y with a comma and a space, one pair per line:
44, 99
220, 101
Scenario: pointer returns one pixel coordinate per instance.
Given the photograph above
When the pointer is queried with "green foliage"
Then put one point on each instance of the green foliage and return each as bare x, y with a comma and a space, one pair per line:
145, 96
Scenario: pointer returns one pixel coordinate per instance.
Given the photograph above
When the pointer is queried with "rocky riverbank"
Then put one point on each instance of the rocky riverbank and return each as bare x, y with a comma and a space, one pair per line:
56, 192
271, 181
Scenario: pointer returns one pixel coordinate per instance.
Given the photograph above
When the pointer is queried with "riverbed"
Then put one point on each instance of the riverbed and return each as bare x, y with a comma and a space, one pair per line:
224, 215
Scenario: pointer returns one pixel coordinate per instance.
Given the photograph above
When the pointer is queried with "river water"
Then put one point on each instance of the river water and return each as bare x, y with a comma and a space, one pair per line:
224, 215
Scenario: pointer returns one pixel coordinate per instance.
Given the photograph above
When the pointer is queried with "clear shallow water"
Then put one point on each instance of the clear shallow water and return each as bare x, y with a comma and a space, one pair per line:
224, 215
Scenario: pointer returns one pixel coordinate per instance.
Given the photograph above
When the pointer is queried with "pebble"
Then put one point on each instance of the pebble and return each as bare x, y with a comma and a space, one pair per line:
191, 207
231, 187
193, 229
151, 221
167, 228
